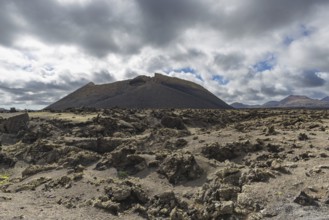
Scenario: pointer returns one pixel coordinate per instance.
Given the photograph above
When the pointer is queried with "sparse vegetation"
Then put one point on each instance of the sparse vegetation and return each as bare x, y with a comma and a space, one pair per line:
303, 137
270, 130
122, 174
239, 127
4, 179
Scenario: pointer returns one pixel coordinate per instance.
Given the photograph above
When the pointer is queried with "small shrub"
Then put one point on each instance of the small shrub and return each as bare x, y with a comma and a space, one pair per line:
270, 131
239, 127
303, 137
122, 174
180, 143
3, 179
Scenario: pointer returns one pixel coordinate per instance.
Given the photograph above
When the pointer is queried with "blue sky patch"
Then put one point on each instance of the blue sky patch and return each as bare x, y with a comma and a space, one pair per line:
288, 40
220, 79
48, 68
266, 64
303, 31
185, 70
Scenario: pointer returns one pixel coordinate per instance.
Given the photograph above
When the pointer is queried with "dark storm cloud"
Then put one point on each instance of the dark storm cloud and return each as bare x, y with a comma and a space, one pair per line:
40, 92
252, 94
102, 77
188, 56
309, 78
247, 95
65, 84
23, 95
7, 88
92, 26
163, 21
102, 27
167, 63
272, 91
157, 63
256, 17
8, 27
47, 98
229, 61
130, 74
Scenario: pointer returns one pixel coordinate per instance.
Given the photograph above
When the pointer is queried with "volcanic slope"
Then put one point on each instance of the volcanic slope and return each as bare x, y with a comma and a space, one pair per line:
142, 92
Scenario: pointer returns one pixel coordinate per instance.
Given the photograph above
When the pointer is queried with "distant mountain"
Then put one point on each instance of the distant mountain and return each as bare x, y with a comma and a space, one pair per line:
142, 92
292, 101
239, 105
326, 99
3, 110
297, 101
271, 104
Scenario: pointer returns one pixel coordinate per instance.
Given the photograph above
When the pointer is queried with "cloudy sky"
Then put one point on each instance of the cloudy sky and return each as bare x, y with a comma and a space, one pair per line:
246, 51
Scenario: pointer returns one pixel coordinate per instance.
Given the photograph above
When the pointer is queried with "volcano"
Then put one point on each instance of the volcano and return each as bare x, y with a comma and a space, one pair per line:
158, 92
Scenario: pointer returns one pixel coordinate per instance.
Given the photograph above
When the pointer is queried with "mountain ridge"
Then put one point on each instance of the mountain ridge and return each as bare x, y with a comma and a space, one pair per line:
291, 101
159, 91
326, 99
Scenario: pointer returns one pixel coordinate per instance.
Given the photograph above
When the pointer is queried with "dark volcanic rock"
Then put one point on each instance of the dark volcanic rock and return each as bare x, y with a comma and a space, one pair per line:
80, 158
123, 159
40, 153
229, 151
127, 192
142, 92
34, 169
121, 196
218, 196
257, 175
163, 205
6, 161
179, 168
99, 145
180, 143
41, 131
13, 123
217, 152
173, 122
305, 200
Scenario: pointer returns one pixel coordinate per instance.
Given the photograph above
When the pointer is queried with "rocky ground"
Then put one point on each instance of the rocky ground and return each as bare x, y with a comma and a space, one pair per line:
167, 164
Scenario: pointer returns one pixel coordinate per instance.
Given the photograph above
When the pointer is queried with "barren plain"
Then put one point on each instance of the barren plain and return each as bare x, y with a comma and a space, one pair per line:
167, 164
